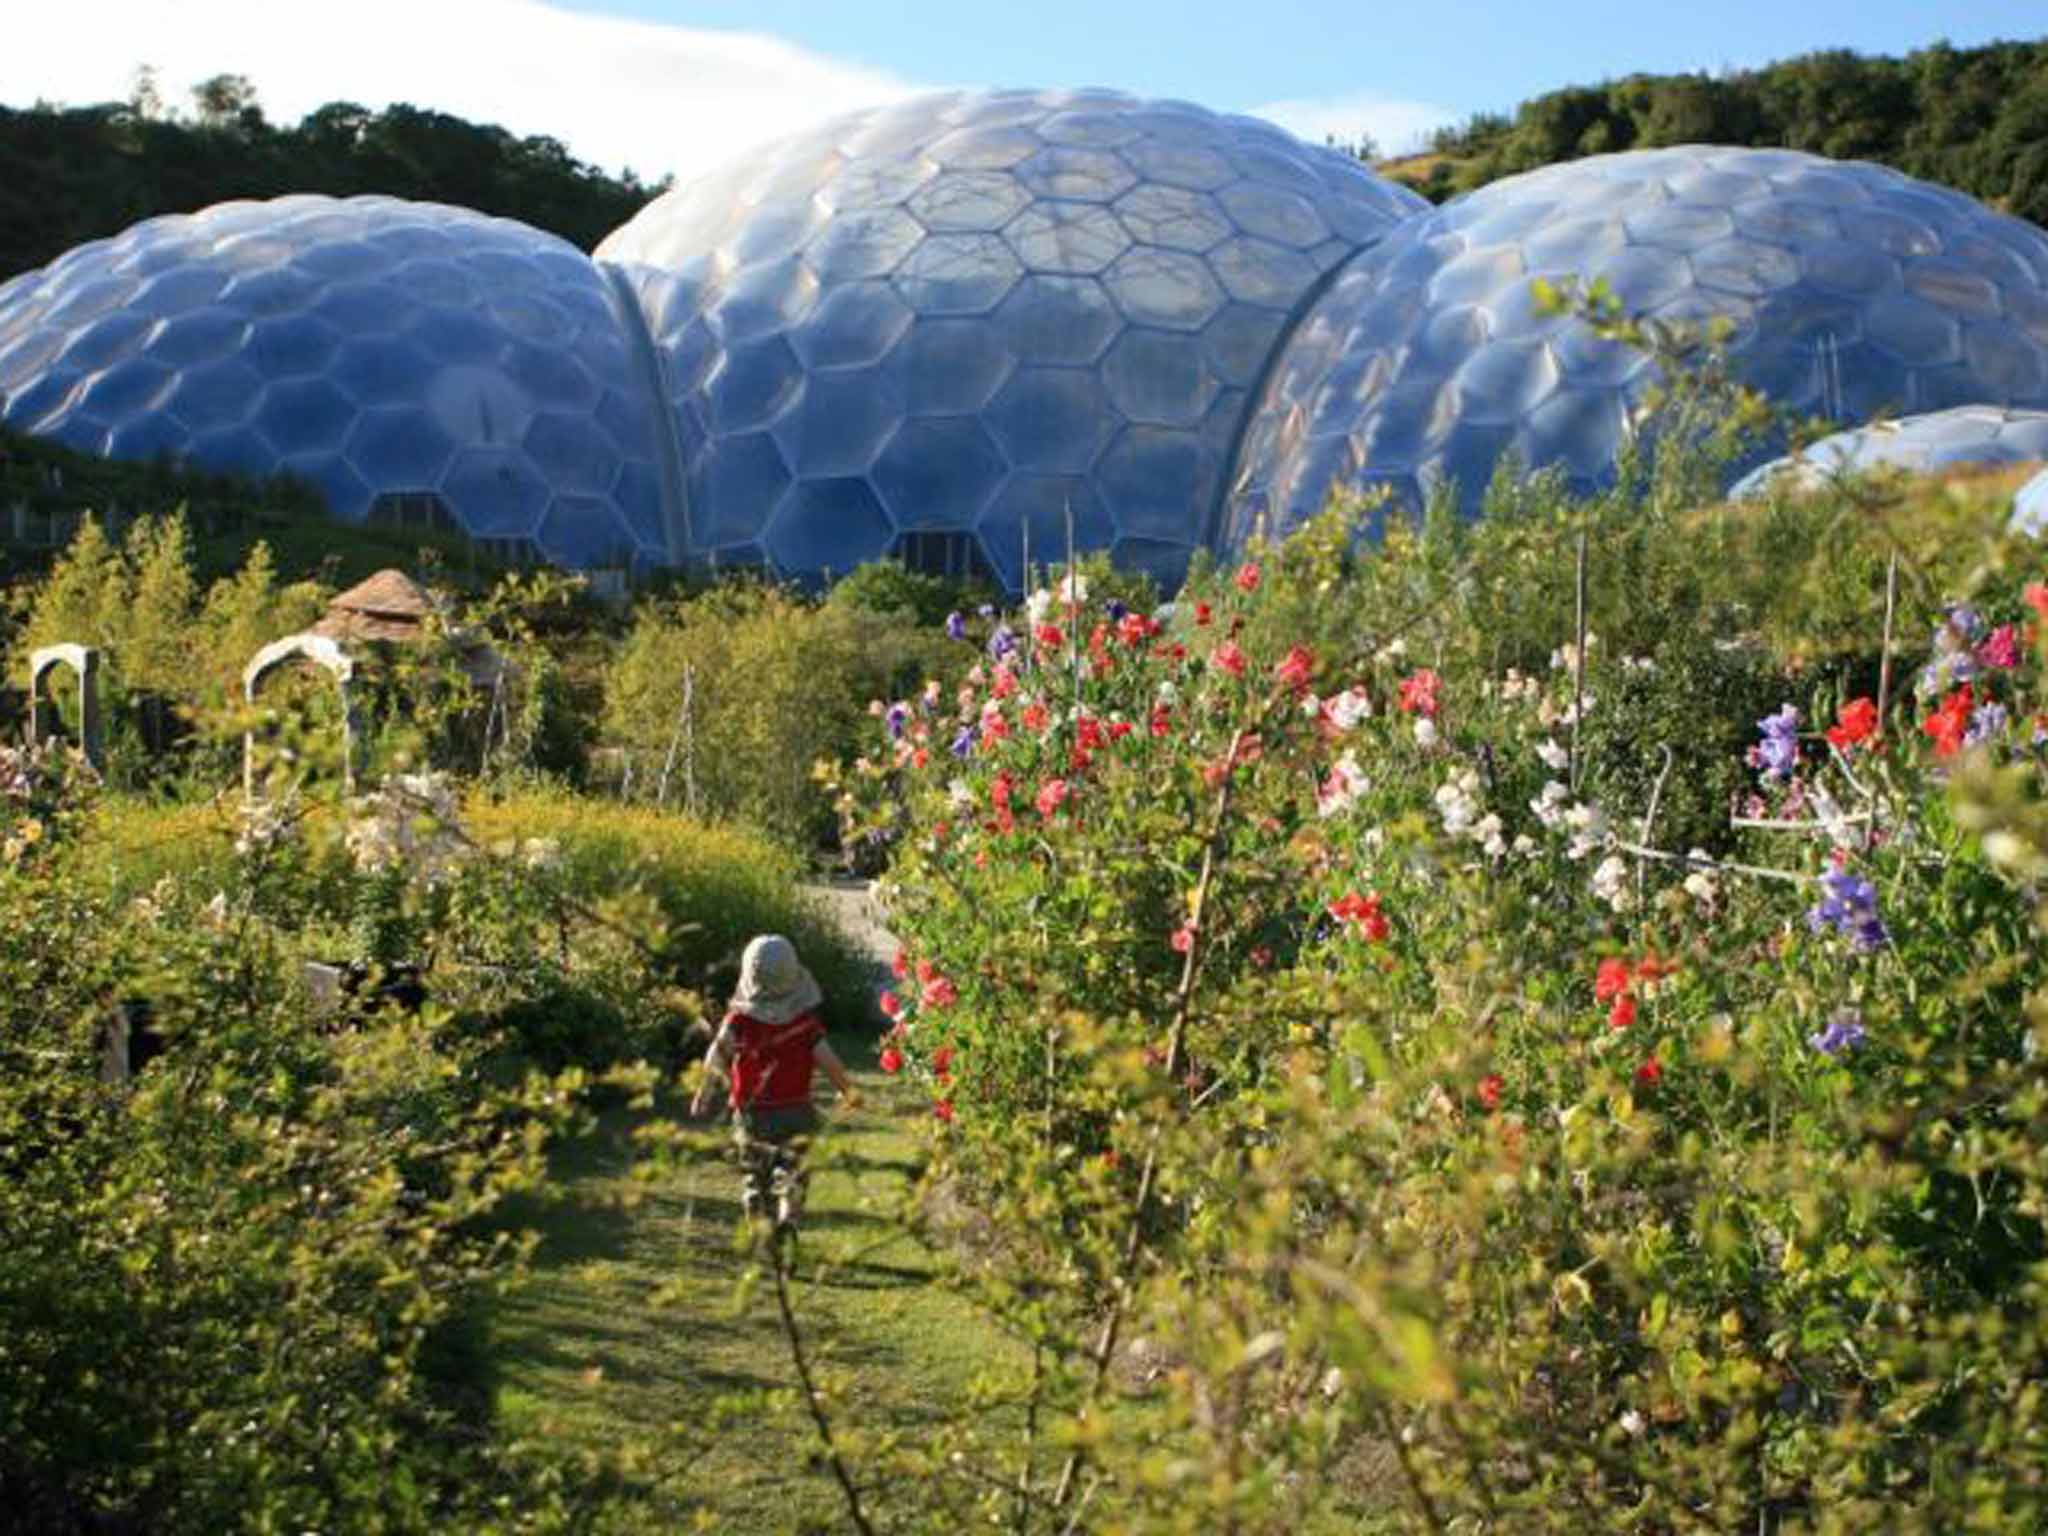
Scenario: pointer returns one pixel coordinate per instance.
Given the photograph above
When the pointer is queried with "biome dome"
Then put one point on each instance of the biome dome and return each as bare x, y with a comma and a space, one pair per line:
1967, 434
1851, 289
389, 352
2030, 506
955, 318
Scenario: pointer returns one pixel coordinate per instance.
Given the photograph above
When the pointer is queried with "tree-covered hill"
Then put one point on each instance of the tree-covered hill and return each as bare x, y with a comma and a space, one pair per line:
80, 173
1971, 118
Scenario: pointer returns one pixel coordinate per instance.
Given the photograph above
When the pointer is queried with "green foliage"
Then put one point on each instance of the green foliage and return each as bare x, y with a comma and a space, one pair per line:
891, 587
774, 684
72, 174
1968, 118
1345, 1068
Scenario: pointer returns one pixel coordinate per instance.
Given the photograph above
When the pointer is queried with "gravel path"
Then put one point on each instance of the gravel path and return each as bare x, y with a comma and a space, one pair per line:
853, 906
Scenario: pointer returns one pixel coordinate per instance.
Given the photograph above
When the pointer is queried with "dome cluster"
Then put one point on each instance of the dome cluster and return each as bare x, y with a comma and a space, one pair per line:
942, 329
1966, 434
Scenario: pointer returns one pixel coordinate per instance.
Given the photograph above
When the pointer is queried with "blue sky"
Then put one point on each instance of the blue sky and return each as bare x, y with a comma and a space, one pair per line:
674, 87
1461, 55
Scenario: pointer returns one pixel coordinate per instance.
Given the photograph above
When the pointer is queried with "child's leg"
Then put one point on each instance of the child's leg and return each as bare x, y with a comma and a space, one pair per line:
759, 1176
792, 1179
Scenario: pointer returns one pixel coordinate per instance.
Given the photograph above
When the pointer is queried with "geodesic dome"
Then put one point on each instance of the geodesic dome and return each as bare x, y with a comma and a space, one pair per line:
1852, 289
1968, 434
950, 320
417, 363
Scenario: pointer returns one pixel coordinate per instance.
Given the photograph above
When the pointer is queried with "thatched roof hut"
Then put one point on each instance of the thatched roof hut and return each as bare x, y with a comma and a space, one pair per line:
391, 607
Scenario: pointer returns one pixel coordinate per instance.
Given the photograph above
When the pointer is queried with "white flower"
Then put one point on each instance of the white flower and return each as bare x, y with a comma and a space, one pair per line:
1486, 833
1632, 1424
1588, 827
1425, 732
1340, 790
1515, 686
1611, 883
1038, 605
1167, 694
1346, 709
1549, 806
1393, 650
1554, 757
1700, 884
1073, 588
1523, 845
959, 796
1457, 801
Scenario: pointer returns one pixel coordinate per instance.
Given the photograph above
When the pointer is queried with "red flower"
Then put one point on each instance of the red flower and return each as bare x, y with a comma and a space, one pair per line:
1161, 721
1364, 912
1623, 1013
1949, 723
999, 791
891, 1060
1204, 613
1650, 969
1855, 723
1088, 732
1228, 657
892, 1005
1610, 980
1050, 636
1004, 685
1136, 628
919, 758
993, 726
926, 971
939, 993
1033, 718
943, 1109
2036, 596
1295, 669
1419, 693
1488, 1091
1183, 938
1119, 729
1650, 1073
1247, 577
1050, 795
942, 1063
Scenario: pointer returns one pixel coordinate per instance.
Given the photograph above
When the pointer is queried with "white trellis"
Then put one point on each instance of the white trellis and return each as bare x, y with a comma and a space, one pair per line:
85, 661
322, 651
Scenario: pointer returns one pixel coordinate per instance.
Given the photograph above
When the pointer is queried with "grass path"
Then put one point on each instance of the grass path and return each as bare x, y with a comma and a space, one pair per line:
634, 1334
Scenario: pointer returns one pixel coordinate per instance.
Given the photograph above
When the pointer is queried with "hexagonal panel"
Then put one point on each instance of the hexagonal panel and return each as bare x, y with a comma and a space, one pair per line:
1274, 213
953, 367
1050, 419
299, 416
825, 528
938, 473
842, 422
571, 452
1073, 239
1166, 288
958, 274
495, 492
1086, 175
1158, 377
1032, 511
965, 202
1057, 320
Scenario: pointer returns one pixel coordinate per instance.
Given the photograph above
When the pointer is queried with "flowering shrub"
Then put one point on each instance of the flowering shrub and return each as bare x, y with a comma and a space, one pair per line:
1313, 975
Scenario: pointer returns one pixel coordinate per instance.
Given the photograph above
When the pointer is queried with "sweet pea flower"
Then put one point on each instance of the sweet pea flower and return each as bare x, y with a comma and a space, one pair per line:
1247, 577
1986, 722
942, 1109
1778, 753
1610, 979
956, 626
1650, 1073
891, 1005
1295, 669
1363, 912
1229, 658
897, 717
1855, 723
1843, 1032
1948, 727
891, 1060
963, 743
1051, 794
1418, 693
1183, 938
1488, 1091
1203, 614
1002, 642
1623, 1013
939, 993
1850, 909
942, 1063
2001, 648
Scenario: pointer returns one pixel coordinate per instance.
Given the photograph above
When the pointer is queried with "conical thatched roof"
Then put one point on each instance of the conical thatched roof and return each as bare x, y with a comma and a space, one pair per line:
388, 606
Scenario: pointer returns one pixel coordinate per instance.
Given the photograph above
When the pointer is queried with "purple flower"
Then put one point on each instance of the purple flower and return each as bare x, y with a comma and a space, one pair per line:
1778, 752
897, 717
1002, 643
986, 610
1850, 908
956, 627
1986, 721
963, 744
1115, 610
1953, 661
1844, 1032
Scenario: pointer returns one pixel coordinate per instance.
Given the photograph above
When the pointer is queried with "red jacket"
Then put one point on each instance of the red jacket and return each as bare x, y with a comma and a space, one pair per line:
772, 1063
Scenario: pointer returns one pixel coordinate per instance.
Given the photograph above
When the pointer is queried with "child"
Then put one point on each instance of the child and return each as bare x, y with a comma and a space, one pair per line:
769, 1041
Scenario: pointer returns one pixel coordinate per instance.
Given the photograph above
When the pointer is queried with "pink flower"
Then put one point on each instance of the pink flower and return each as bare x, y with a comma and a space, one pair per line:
892, 1005
1295, 669
1488, 1091
901, 964
1051, 795
1228, 657
1419, 693
891, 1060
939, 993
1183, 938
1247, 577
2001, 648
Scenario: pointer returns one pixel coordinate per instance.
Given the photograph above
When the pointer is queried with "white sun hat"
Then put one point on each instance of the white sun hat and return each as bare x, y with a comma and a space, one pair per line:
774, 986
